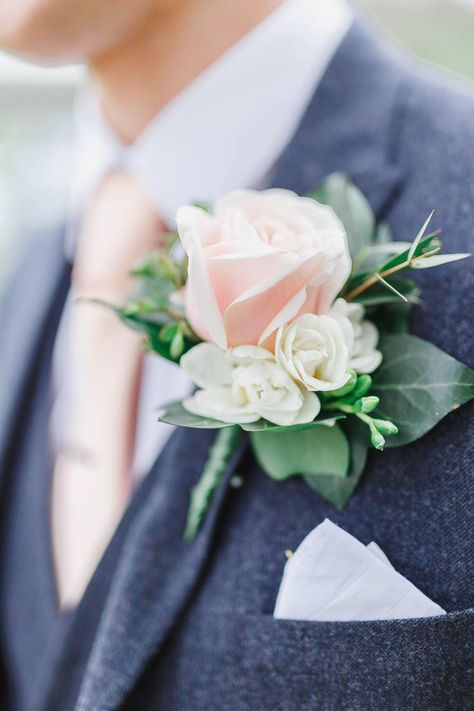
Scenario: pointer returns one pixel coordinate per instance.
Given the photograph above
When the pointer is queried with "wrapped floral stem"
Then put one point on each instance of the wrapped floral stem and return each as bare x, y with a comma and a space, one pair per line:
201, 496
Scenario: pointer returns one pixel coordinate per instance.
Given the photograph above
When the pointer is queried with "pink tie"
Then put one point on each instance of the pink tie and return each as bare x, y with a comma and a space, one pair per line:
91, 482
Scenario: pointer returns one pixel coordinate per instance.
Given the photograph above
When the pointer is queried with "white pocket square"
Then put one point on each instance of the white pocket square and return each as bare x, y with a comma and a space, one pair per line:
333, 577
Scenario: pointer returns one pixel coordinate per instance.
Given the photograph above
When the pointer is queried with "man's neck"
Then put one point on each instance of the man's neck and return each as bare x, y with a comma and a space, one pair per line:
138, 78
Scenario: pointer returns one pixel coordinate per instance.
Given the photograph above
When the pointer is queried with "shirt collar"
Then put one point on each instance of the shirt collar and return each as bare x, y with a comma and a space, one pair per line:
229, 126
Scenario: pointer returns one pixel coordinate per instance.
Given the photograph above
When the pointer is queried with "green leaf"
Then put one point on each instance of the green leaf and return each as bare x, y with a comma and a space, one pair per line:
152, 327
418, 384
438, 259
418, 237
338, 490
265, 426
379, 294
383, 234
322, 450
175, 414
352, 208
392, 318
427, 244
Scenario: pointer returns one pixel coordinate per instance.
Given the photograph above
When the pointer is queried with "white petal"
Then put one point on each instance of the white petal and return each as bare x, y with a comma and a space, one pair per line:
190, 221
310, 407
207, 365
250, 353
366, 363
219, 404
368, 338
309, 410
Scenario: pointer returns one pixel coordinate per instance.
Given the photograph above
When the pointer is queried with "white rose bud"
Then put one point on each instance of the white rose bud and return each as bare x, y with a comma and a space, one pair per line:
314, 351
364, 356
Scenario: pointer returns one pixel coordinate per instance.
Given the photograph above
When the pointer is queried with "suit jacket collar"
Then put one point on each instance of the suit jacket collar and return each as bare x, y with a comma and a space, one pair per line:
350, 125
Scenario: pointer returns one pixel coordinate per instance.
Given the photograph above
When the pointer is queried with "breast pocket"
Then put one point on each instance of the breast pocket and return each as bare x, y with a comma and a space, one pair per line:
423, 664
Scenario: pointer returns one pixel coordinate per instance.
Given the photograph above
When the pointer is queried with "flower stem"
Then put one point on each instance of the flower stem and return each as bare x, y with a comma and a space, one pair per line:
202, 494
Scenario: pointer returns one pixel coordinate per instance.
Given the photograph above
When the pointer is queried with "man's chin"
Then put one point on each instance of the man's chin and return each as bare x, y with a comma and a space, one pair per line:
35, 29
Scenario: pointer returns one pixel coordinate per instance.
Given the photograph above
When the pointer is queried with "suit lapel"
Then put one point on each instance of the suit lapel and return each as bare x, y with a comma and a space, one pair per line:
352, 124
157, 572
38, 290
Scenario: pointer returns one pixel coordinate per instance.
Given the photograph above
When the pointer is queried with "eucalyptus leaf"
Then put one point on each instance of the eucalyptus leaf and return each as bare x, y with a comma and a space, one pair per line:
418, 384
265, 426
393, 317
321, 450
175, 414
352, 208
338, 490
383, 235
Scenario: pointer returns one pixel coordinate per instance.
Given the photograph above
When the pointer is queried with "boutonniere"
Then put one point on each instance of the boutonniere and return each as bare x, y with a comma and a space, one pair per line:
290, 314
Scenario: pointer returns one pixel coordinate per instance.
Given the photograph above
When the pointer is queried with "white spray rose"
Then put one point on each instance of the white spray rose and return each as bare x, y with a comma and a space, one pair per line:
362, 341
243, 385
314, 351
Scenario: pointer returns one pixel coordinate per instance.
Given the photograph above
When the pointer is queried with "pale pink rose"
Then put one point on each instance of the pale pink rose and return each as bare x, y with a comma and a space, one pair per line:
260, 260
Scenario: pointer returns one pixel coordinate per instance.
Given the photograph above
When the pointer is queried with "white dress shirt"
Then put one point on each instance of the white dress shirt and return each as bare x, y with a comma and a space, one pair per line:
224, 131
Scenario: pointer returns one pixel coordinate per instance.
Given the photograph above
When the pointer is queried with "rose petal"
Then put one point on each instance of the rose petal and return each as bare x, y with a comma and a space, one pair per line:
235, 274
247, 318
193, 221
201, 305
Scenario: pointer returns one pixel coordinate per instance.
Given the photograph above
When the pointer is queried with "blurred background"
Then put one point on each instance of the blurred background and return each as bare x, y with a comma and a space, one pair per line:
36, 109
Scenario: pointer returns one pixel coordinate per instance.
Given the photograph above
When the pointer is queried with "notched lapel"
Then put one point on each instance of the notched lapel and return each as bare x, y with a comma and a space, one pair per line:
156, 574
352, 123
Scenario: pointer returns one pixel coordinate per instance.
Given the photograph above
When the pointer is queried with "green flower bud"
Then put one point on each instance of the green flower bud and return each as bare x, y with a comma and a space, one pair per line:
377, 439
366, 404
386, 427
364, 383
345, 389
177, 345
168, 332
